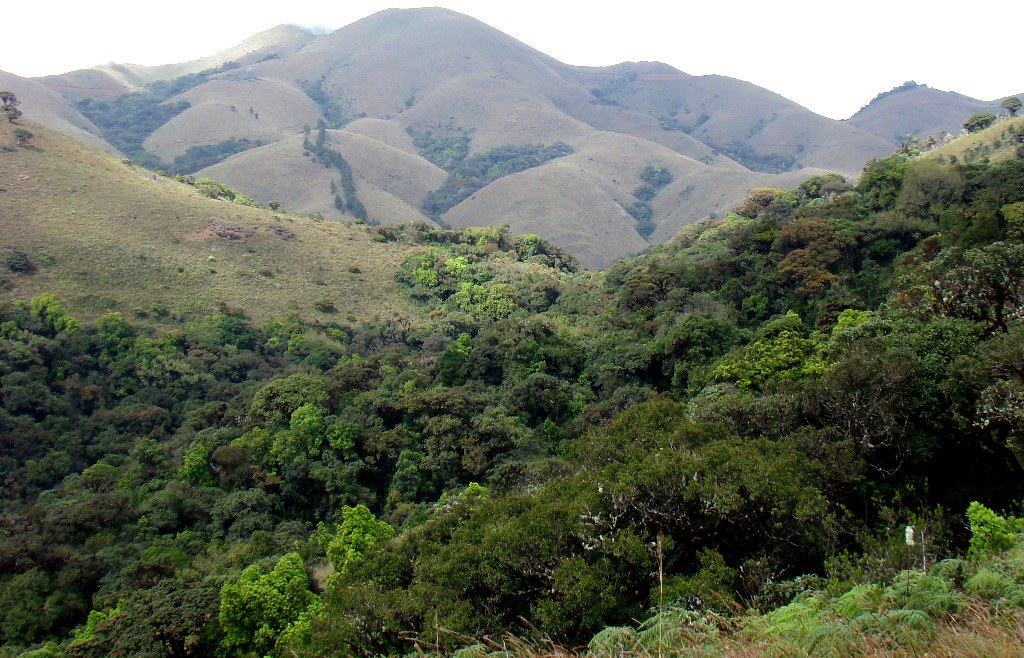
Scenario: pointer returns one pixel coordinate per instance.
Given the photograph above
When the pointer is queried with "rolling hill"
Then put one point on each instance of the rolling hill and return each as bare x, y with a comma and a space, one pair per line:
42, 104
109, 236
918, 110
111, 80
239, 117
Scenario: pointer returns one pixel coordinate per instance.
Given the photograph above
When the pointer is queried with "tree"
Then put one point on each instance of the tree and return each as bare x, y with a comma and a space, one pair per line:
52, 315
880, 182
979, 121
9, 105
358, 531
1011, 104
810, 251
256, 608
982, 284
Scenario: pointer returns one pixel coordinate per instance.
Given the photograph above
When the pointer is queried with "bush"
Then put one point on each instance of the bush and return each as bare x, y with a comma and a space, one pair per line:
989, 531
18, 261
979, 121
21, 136
656, 176
325, 305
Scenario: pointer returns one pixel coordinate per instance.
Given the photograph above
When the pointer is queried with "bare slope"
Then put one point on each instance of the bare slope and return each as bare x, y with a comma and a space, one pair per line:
244, 107
105, 236
579, 202
115, 79
399, 68
920, 111
742, 119
276, 42
391, 183
97, 82
39, 103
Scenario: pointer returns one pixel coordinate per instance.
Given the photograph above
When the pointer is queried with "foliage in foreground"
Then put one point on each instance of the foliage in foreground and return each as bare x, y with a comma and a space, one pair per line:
754, 411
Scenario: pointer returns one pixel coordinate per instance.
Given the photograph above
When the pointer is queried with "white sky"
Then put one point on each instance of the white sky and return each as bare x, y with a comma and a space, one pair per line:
831, 57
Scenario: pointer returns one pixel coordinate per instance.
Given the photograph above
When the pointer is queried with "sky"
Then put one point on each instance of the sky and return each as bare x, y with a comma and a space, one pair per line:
828, 56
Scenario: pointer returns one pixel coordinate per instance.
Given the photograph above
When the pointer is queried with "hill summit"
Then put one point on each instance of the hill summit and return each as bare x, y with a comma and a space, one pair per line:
431, 115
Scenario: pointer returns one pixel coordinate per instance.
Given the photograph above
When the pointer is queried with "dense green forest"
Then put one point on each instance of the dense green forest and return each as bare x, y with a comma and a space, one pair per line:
726, 437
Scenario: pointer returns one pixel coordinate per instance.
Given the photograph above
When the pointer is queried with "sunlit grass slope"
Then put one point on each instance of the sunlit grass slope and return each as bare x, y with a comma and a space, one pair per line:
997, 143
106, 236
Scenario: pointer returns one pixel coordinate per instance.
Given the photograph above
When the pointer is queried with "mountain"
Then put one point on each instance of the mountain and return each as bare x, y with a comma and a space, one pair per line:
759, 128
112, 80
108, 236
412, 100
918, 110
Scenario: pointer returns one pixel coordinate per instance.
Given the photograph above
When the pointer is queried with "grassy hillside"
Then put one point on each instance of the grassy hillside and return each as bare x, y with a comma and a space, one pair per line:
263, 110
46, 106
580, 201
435, 69
754, 126
111, 80
997, 143
105, 235
278, 41
918, 110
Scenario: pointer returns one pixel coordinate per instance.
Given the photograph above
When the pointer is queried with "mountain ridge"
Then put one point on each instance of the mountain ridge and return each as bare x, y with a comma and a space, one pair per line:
405, 70
919, 110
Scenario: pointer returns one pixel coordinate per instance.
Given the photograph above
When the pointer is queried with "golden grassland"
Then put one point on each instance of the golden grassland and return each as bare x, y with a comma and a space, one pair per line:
104, 236
995, 142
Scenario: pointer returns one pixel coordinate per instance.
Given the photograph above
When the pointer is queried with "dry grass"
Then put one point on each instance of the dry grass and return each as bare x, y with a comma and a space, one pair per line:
578, 202
401, 67
385, 131
282, 110
920, 111
46, 106
978, 631
995, 143
106, 236
391, 183
115, 79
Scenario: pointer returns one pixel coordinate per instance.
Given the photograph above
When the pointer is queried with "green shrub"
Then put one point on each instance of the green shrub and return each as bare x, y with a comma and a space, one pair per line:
19, 262
989, 531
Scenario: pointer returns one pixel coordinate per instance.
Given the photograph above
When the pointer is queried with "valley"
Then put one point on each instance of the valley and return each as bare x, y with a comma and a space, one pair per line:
407, 339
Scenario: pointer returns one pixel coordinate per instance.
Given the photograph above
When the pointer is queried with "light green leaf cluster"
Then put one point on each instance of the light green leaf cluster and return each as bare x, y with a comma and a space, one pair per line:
990, 532
778, 358
425, 273
195, 467
55, 317
494, 302
358, 531
258, 607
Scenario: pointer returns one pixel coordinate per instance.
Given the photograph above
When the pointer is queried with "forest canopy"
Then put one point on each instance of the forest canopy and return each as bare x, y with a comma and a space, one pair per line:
745, 418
